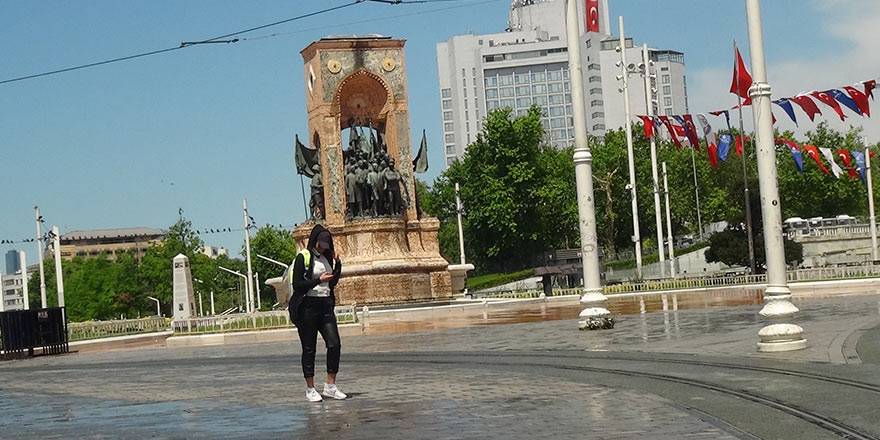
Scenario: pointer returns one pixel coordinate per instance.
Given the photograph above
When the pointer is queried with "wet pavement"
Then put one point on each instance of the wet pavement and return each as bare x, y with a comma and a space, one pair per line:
514, 371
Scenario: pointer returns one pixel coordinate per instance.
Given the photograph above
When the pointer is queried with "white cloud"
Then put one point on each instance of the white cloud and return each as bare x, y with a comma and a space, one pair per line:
855, 24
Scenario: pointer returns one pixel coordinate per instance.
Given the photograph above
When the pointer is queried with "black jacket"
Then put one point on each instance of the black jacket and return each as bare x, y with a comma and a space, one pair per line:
303, 279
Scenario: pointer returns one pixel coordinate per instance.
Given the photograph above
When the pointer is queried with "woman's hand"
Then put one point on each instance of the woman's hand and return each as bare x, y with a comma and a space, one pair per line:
326, 277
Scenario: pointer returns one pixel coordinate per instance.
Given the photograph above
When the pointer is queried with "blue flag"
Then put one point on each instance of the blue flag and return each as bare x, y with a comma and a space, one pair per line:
844, 99
860, 162
785, 104
798, 159
724, 142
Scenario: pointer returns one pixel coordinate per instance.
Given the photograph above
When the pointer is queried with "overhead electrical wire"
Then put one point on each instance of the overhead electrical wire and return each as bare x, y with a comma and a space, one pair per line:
182, 45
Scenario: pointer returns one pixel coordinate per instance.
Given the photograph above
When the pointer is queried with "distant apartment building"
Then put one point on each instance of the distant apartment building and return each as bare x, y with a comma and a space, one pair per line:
527, 65
215, 251
92, 243
12, 291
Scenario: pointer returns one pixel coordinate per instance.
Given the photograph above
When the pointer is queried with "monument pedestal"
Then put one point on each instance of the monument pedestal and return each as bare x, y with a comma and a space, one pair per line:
387, 260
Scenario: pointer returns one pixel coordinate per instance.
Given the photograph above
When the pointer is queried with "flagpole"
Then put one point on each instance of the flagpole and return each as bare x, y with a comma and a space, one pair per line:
303, 192
776, 336
742, 141
697, 193
583, 172
671, 243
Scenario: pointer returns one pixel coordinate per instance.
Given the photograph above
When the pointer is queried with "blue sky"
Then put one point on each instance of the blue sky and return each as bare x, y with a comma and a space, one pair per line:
129, 143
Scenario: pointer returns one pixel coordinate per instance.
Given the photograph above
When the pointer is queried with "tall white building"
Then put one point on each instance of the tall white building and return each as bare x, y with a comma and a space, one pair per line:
527, 65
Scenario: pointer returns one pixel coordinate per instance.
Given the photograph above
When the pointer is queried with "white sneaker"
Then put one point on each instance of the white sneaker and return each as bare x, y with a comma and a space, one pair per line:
313, 396
332, 392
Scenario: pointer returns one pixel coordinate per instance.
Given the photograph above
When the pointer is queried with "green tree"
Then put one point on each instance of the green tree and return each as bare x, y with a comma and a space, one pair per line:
275, 243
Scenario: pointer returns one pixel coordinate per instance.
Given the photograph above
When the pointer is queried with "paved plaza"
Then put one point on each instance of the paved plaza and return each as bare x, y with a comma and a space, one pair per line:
686, 370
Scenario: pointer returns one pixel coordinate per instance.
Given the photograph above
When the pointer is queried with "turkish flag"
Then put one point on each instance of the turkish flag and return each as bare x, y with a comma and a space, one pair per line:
742, 80
592, 15
807, 105
813, 152
713, 155
846, 158
648, 126
830, 102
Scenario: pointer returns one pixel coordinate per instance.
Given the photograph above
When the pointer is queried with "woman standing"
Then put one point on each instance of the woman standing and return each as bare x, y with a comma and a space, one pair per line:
316, 271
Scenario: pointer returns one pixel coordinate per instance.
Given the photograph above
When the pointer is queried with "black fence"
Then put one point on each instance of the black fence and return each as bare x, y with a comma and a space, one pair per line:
26, 333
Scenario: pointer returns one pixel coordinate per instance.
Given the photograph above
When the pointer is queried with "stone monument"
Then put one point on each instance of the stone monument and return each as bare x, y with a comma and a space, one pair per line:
184, 300
356, 87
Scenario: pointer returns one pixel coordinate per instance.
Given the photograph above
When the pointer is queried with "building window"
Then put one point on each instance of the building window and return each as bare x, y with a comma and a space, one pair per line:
557, 111
539, 100
469, 138
667, 101
559, 134
450, 149
522, 78
570, 133
596, 91
557, 123
667, 90
450, 138
465, 104
491, 93
523, 102
557, 99
447, 126
568, 110
447, 104
667, 79
450, 161
567, 86
538, 77
522, 90
467, 127
596, 103
565, 74
668, 110
446, 93
595, 78
505, 80
598, 115
491, 81
539, 89
598, 127
491, 105
464, 91
466, 117
554, 75
555, 88
568, 98
447, 116
506, 92
664, 69
507, 103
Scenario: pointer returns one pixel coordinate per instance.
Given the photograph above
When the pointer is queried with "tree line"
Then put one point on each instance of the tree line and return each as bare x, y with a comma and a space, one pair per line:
106, 287
519, 196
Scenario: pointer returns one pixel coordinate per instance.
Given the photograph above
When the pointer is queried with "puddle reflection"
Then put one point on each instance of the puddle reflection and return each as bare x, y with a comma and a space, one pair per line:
486, 314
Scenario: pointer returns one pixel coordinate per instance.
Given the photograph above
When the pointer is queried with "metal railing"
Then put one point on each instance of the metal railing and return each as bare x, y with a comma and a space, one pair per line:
799, 275
253, 321
105, 329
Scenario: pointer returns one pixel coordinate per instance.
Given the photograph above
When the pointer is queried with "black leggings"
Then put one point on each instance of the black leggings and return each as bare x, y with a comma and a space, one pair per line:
317, 315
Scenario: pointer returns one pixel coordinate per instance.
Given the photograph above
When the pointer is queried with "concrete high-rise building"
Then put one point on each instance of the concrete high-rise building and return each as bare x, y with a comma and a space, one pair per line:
527, 65
13, 263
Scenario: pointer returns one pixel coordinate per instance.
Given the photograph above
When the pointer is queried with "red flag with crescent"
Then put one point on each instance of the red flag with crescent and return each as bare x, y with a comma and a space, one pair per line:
846, 158
592, 16
647, 125
813, 152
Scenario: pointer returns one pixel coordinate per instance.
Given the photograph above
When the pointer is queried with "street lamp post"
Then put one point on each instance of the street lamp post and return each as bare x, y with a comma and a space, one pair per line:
241, 275
59, 274
597, 316
775, 337
22, 259
624, 78
649, 105
158, 309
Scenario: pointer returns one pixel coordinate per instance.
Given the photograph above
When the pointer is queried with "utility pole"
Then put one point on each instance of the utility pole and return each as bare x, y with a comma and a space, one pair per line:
257, 289
775, 337
871, 217
247, 246
583, 169
59, 274
649, 105
40, 246
624, 76
671, 241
